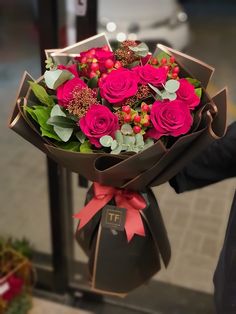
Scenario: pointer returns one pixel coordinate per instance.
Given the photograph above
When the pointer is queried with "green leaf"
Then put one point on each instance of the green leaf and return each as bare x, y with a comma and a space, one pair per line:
114, 144
41, 94
62, 122
162, 55
172, 86
71, 146
80, 136
139, 139
63, 133
170, 96
93, 82
119, 137
31, 112
129, 140
43, 114
126, 129
198, 92
156, 90
194, 82
140, 50
117, 150
55, 78
50, 133
85, 147
106, 140
57, 111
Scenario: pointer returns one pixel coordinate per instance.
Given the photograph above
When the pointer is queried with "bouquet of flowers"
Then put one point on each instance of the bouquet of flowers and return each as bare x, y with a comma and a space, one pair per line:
127, 120
15, 279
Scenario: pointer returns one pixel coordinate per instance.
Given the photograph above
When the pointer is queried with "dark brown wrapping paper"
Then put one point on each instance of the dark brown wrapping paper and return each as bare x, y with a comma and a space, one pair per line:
116, 265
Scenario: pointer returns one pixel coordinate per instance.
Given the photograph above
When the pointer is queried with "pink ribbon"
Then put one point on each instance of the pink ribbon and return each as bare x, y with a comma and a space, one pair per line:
132, 201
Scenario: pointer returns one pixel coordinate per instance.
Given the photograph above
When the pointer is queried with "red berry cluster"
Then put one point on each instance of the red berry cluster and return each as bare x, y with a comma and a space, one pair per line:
140, 120
169, 64
92, 67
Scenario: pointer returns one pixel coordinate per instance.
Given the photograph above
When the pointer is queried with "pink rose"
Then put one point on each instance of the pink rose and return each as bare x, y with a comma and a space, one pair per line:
97, 122
119, 85
169, 118
64, 91
151, 75
187, 94
71, 68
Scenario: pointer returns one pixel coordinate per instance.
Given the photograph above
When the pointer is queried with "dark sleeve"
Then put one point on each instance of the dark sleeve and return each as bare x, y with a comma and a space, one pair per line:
214, 164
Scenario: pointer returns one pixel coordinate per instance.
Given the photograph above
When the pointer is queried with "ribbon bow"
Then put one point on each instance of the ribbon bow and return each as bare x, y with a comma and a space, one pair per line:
132, 201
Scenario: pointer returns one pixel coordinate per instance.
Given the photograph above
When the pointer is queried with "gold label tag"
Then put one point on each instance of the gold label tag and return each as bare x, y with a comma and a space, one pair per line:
113, 217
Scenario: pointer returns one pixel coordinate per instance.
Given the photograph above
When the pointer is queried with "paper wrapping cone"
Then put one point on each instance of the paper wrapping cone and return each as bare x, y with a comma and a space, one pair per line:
116, 265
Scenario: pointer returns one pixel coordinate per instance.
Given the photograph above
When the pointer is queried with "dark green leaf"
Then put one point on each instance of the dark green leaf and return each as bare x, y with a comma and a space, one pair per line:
31, 112
50, 133
62, 122
71, 146
80, 136
41, 94
194, 82
93, 82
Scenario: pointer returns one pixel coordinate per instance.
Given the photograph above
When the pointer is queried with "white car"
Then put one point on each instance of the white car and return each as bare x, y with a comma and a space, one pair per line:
151, 21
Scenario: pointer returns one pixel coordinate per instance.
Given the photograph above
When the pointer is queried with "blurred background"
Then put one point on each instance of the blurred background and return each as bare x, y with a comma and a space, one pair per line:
196, 221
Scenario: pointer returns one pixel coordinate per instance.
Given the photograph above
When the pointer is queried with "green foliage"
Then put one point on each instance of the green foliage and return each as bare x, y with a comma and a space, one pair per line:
85, 147
140, 50
162, 55
56, 77
20, 305
194, 82
41, 94
71, 146
93, 82
198, 92
169, 91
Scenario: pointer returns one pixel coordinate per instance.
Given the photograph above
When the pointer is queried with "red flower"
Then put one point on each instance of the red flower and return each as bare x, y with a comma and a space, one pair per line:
169, 118
15, 288
64, 91
150, 75
119, 85
187, 94
97, 122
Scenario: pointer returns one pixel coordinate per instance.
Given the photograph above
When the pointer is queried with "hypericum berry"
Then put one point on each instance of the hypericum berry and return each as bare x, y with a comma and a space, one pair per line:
94, 66
126, 109
118, 65
163, 61
84, 60
137, 118
136, 129
127, 118
154, 61
174, 75
144, 107
172, 60
166, 67
175, 70
92, 74
109, 64
146, 123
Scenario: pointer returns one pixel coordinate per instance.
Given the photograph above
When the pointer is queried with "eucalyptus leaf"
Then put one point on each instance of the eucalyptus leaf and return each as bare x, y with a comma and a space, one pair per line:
40, 92
140, 50
139, 139
172, 86
114, 144
119, 137
62, 122
55, 78
106, 140
63, 133
117, 150
50, 133
170, 96
129, 140
126, 129
80, 136
156, 90
198, 92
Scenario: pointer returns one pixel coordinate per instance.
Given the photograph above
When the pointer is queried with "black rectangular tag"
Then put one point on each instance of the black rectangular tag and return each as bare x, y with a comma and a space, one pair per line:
113, 217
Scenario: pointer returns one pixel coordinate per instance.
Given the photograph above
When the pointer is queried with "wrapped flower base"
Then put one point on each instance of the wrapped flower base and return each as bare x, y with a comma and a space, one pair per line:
120, 260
